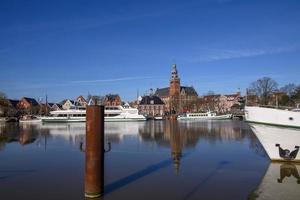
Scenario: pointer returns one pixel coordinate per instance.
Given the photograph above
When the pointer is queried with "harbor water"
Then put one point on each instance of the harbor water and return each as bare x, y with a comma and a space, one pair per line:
148, 160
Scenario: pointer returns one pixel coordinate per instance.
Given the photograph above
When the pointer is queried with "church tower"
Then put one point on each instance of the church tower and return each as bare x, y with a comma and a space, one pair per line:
174, 91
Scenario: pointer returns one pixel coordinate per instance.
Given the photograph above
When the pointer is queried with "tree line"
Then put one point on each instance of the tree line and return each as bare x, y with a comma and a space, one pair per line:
266, 88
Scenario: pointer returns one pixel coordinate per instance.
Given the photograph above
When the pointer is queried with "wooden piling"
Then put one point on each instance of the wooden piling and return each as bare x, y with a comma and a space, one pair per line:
94, 152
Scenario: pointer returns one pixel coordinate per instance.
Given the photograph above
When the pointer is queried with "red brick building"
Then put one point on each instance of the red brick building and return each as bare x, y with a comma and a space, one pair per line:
152, 106
177, 97
28, 105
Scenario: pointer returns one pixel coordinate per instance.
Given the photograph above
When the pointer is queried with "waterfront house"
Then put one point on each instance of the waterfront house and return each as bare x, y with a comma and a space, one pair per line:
152, 106
55, 106
81, 101
28, 106
67, 104
112, 100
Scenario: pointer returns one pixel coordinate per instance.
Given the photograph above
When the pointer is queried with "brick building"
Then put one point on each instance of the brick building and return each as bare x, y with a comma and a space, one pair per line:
112, 100
176, 97
28, 106
152, 106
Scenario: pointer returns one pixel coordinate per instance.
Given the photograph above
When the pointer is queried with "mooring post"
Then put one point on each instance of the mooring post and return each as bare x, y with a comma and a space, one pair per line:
94, 152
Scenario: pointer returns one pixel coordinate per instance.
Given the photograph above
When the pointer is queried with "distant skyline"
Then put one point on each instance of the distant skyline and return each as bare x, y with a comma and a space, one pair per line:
69, 48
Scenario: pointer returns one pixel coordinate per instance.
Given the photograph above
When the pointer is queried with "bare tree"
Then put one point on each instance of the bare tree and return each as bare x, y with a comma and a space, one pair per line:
210, 92
2, 95
263, 88
289, 89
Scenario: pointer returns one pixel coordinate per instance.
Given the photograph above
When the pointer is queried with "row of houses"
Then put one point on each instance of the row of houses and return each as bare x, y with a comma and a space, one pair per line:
26, 105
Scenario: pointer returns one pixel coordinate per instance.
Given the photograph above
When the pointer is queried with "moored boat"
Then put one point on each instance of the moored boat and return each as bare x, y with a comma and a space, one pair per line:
112, 114
203, 116
272, 116
280, 143
277, 130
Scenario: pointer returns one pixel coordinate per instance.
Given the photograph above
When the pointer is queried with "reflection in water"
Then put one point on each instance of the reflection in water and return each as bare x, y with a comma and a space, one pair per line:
179, 135
142, 162
281, 181
288, 170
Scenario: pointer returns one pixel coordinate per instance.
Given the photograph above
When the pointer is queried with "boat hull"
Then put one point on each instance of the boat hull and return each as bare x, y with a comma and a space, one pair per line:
272, 136
271, 116
106, 119
219, 117
62, 120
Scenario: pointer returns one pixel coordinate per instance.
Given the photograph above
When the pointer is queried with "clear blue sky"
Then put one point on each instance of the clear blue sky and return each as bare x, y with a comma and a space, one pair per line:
69, 48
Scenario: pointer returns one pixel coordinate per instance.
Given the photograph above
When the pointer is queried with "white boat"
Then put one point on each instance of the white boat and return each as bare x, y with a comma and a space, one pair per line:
112, 114
280, 143
281, 181
71, 115
122, 113
272, 116
203, 116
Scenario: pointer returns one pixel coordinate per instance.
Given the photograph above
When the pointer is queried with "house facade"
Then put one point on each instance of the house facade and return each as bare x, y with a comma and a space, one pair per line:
152, 106
112, 100
28, 105
81, 101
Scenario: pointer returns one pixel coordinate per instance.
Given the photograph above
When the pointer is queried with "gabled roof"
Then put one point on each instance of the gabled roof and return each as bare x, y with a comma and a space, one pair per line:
65, 100
164, 92
189, 90
146, 100
111, 97
32, 101
82, 98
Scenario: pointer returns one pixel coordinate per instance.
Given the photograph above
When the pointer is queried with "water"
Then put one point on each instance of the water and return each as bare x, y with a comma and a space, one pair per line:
148, 160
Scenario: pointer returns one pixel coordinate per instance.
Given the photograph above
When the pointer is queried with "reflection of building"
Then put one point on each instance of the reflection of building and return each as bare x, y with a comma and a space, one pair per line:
177, 97
176, 143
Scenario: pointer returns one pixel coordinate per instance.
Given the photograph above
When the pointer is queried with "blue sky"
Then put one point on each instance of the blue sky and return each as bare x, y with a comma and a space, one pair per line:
70, 48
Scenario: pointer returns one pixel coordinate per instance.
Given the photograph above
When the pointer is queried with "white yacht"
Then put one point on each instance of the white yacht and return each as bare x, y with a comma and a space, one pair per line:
203, 116
277, 130
112, 114
280, 143
122, 113
71, 115
273, 116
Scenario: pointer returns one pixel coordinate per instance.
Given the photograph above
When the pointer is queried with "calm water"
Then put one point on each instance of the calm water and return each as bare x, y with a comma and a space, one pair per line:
149, 160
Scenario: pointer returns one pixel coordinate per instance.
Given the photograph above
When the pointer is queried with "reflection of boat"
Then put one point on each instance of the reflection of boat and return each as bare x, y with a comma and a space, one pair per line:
29, 119
280, 143
272, 116
158, 118
112, 114
281, 181
203, 116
